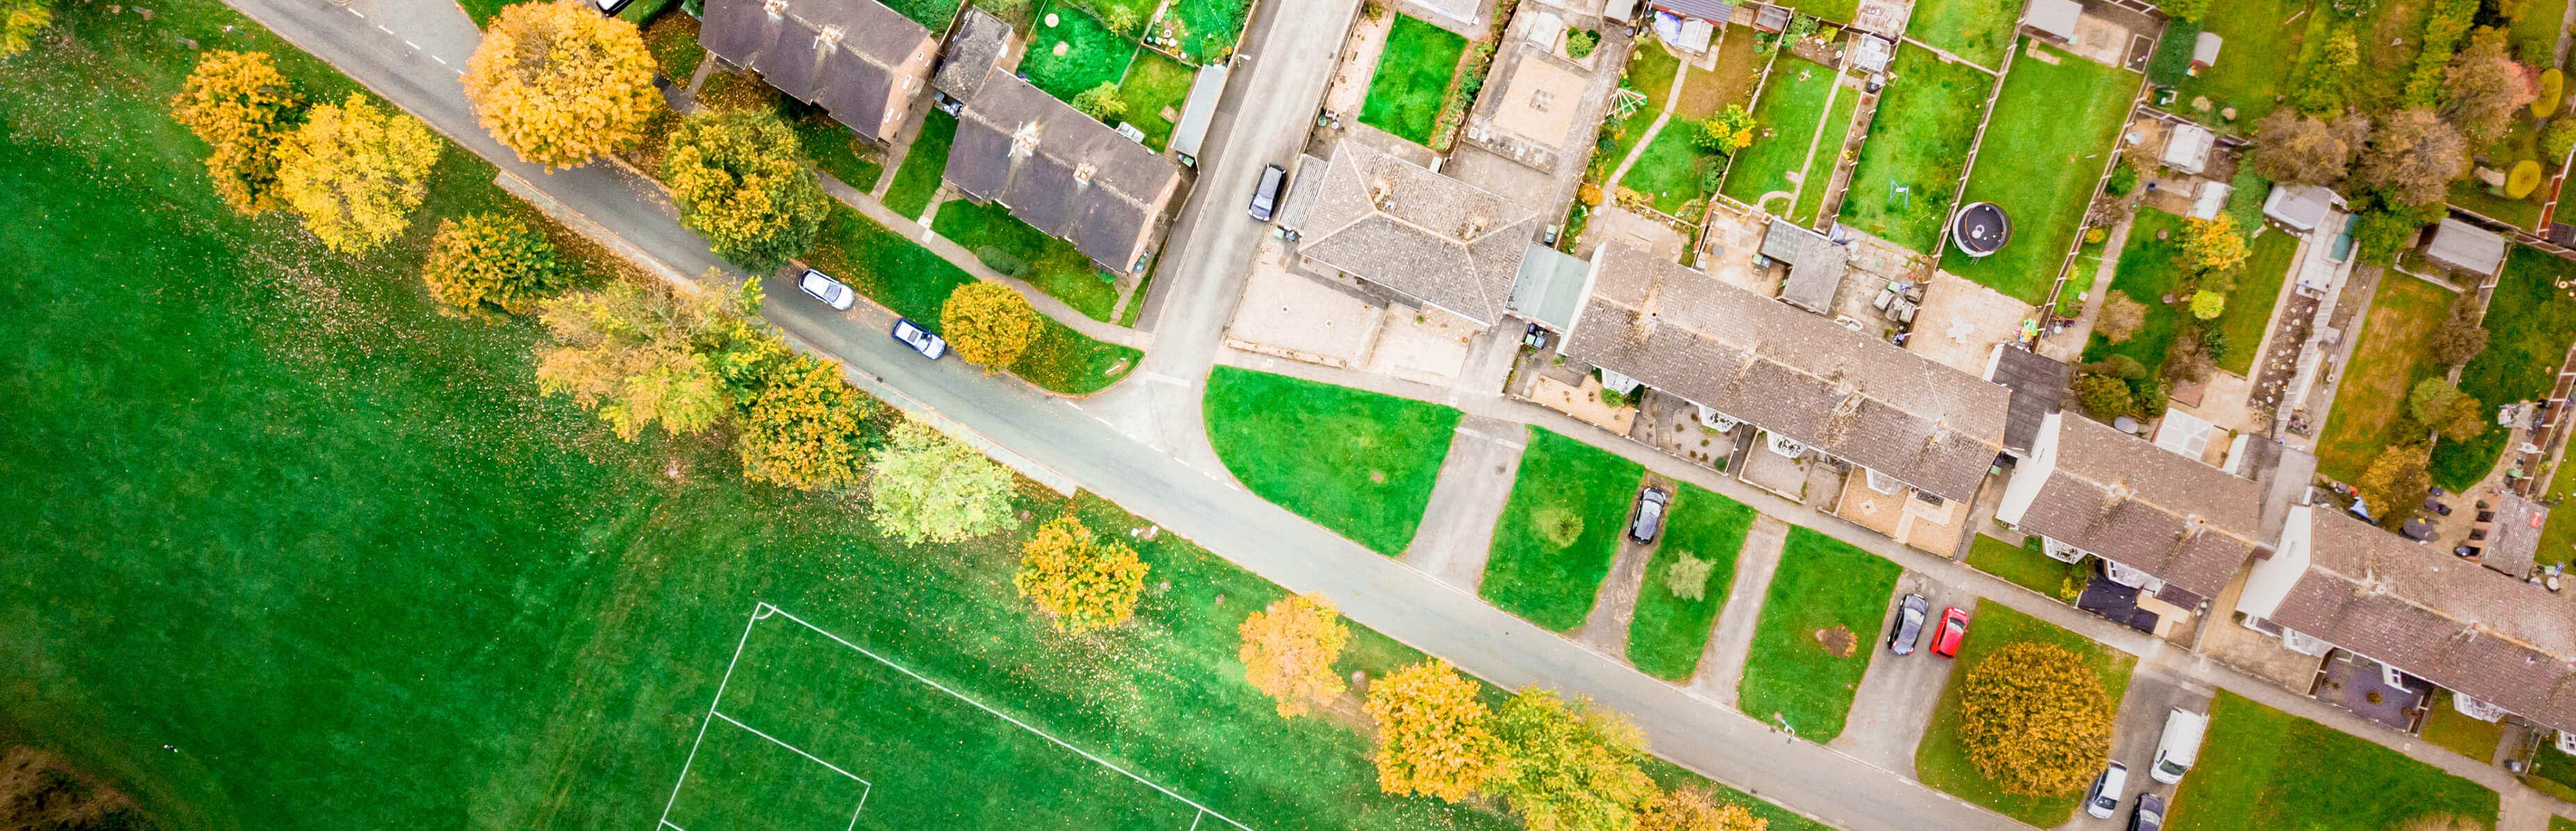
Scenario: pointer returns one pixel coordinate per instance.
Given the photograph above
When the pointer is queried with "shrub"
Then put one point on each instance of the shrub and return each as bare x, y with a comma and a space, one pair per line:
1557, 525
2173, 53
2104, 397
2123, 179
1101, 102
1730, 130
989, 324
2035, 719
2147, 396
1687, 577
20, 20
2558, 139
1580, 44
2551, 88
2213, 244
2522, 179
490, 259
1082, 582
2208, 305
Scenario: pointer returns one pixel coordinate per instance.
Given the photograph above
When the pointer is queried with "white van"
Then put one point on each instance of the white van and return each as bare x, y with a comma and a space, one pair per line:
2180, 745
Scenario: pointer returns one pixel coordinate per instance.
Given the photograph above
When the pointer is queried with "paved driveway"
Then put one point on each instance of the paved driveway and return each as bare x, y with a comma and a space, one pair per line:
1898, 694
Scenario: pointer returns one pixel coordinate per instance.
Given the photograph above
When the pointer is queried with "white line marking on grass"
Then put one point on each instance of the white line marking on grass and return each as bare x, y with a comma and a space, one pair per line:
774, 740
863, 803
961, 697
757, 612
674, 825
1194, 821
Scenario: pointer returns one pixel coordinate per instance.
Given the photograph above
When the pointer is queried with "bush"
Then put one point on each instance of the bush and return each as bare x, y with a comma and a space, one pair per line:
1101, 102
2105, 397
2123, 179
2522, 179
2147, 397
2551, 87
2558, 139
1580, 44
2173, 54
2208, 305
490, 259
1557, 525
2035, 719
989, 324
1728, 131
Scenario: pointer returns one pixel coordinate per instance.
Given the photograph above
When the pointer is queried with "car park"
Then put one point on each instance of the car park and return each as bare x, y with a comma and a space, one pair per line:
920, 340
1265, 195
2179, 746
1650, 514
1910, 616
2149, 815
2103, 799
822, 287
1953, 629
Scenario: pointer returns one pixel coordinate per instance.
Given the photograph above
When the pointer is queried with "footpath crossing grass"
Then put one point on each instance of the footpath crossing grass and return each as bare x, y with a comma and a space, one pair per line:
2529, 323
1412, 79
1793, 101
1357, 462
1668, 632
1943, 762
1819, 621
1918, 141
1827, 156
2263, 769
2052, 131
2393, 354
1559, 531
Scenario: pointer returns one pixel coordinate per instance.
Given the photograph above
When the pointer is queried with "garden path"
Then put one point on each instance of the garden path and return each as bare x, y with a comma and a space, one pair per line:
2068, 345
1721, 666
1662, 117
958, 255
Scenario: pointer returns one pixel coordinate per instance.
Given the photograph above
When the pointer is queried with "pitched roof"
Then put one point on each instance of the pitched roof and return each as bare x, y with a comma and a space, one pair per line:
2299, 206
2466, 247
2038, 383
1714, 11
1061, 171
1804, 377
1816, 265
843, 55
1550, 286
973, 49
1400, 225
2433, 616
2119, 497
2513, 542
2054, 18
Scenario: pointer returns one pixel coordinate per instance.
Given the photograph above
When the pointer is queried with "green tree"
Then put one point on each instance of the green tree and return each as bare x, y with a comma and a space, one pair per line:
2445, 409
2208, 305
1101, 102
1433, 736
1569, 766
2035, 719
1687, 577
2396, 479
238, 104
928, 487
2104, 397
741, 180
1081, 581
356, 171
490, 260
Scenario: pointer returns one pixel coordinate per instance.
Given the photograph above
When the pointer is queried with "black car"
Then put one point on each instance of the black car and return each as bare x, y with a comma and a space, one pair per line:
2149, 815
1909, 624
1650, 515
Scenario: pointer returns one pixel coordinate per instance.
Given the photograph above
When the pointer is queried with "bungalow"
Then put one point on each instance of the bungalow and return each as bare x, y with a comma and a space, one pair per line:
857, 59
1063, 173
2167, 525
1397, 225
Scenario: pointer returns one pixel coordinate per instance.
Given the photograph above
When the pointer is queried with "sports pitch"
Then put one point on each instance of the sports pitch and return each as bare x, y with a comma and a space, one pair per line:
810, 731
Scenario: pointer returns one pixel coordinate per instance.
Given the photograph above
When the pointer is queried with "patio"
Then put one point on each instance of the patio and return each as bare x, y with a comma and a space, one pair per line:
2355, 683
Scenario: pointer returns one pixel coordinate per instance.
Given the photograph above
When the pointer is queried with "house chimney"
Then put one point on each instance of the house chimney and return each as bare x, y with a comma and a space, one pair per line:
1082, 174
1024, 142
775, 8
829, 38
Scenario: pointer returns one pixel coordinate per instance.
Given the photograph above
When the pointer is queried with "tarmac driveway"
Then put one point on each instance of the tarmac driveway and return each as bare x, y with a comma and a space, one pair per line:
1896, 698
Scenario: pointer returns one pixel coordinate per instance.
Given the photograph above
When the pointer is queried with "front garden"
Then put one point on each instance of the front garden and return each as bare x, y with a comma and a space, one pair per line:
2045, 148
923, 166
1687, 582
1918, 141
1005, 244
1559, 531
1943, 762
1817, 634
1412, 79
2262, 769
1356, 462
1794, 101
2025, 566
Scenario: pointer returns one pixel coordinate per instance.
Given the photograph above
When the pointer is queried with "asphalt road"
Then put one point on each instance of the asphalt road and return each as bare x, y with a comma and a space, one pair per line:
402, 62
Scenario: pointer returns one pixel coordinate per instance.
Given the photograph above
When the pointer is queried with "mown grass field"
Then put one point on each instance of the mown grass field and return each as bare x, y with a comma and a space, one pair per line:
1825, 588
2261, 768
1943, 762
2530, 321
1919, 141
2147, 274
1412, 79
2391, 356
1794, 100
1357, 462
2045, 149
1668, 632
1563, 484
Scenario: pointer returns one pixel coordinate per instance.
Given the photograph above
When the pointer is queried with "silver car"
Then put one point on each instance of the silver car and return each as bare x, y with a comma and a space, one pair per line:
826, 289
1909, 624
2104, 799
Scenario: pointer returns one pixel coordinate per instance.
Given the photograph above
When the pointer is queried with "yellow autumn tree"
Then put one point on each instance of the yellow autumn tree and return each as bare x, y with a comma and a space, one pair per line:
237, 103
1289, 649
1569, 766
1694, 810
490, 260
1082, 582
741, 181
2213, 244
989, 324
635, 355
355, 172
560, 84
20, 20
1433, 738
804, 428
2035, 719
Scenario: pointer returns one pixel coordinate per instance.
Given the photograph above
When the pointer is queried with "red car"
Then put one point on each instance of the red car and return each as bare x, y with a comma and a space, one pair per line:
1954, 628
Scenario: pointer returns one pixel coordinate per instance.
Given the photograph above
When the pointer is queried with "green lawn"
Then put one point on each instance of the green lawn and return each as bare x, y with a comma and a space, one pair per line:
2558, 538
1825, 588
1794, 100
1008, 245
2446, 726
2552, 772
1075, 54
2520, 142
1672, 168
1155, 89
2536, 31
2024, 567
1668, 632
1206, 29
1942, 761
2044, 151
1650, 71
2389, 359
1412, 79
1838, 11
2262, 44
393, 578
1978, 30
2263, 769
2147, 274
1918, 140
2559, 823
923, 166
1563, 484
934, 14
1357, 462
2529, 323
2249, 307
836, 151
674, 41
2390, 38
1829, 154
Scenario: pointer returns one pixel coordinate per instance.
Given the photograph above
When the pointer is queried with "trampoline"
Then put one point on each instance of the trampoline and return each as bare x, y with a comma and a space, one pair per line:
1980, 229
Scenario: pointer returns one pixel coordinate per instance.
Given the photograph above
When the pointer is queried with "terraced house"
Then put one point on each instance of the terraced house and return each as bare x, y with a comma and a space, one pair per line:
1064, 172
857, 59
2168, 527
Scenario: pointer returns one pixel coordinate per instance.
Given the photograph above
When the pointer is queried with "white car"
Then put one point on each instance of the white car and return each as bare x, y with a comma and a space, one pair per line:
826, 289
919, 339
2104, 799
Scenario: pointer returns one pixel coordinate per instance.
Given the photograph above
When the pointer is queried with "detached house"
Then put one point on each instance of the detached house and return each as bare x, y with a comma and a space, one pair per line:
2169, 526
1398, 225
857, 59
1063, 172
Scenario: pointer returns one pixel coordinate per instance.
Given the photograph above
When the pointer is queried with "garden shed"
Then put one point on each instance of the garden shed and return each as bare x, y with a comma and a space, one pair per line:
2187, 149
2300, 207
2460, 246
2204, 51
2053, 19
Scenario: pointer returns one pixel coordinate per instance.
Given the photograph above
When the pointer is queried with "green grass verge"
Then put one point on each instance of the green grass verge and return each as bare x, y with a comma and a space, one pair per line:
2263, 39
1006, 244
1668, 632
1154, 91
923, 166
1207, 29
2044, 150
836, 151
1672, 168
1357, 462
1790, 676
2529, 323
1074, 55
2261, 768
2024, 567
1942, 762
1561, 481
1793, 101
2249, 307
2147, 274
1918, 140
1978, 30
2391, 357
1412, 79
1829, 155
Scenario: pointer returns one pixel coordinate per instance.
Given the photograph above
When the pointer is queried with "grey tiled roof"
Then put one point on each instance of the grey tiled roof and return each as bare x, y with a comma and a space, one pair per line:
972, 50
1061, 171
2127, 500
1844, 393
2513, 544
1816, 264
1399, 225
2436, 617
2038, 383
2466, 247
846, 56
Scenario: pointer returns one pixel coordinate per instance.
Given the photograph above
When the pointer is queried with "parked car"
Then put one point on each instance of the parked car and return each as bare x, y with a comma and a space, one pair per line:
1650, 514
832, 292
1909, 624
2149, 815
2103, 799
919, 339
2180, 745
1954, 628
1265, 196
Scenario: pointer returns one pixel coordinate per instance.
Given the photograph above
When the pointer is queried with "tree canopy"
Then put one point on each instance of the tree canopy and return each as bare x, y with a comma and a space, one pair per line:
1082, 582
559, 83
1569, 766
1694, 810
741, 181
990, 324
802, 428
928, 487
637, 356
2035, 719
355, 172
2414, 157
20, 20
1433, 736
1289, 649
490, 260
237, 103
